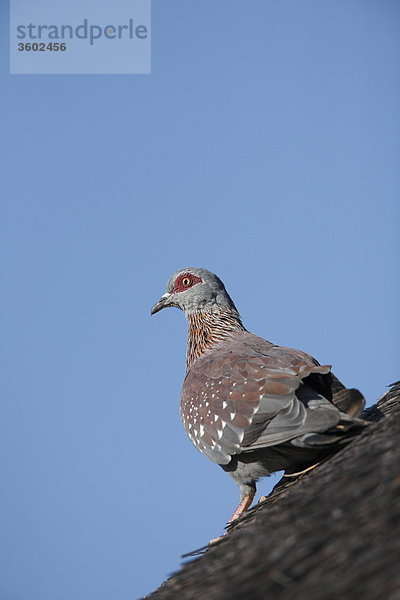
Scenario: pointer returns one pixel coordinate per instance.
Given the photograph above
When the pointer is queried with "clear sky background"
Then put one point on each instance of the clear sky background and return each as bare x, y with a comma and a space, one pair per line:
264, 147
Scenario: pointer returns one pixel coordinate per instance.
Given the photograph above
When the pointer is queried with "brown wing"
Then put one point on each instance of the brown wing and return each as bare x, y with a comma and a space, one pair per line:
233, 402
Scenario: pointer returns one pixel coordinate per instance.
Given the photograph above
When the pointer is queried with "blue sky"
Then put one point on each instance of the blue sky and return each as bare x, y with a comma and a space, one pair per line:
264, 147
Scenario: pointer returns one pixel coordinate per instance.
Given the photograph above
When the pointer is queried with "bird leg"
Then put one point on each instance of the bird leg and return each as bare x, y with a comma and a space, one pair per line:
243, 505
246, 498
310, 468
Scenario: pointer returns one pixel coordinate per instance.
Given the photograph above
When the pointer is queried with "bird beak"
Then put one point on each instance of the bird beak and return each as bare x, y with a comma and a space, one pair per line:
162, 303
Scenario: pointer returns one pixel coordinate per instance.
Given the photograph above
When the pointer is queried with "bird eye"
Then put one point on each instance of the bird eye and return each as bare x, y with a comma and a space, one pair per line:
185, 281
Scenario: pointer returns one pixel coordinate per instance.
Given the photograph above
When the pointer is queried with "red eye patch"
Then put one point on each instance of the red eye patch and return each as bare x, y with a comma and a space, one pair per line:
185, 281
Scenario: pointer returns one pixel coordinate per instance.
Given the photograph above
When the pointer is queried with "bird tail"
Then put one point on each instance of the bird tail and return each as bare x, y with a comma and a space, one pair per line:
342, 434
349, 401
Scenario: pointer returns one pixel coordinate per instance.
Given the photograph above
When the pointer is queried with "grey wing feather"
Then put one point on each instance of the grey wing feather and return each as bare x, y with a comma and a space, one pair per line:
232, 404
295, 419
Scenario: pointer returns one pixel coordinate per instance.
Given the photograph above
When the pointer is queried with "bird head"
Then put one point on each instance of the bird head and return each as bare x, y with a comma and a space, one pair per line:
194, 291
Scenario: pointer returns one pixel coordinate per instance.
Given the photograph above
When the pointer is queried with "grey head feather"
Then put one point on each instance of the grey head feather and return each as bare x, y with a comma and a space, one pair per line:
209, 295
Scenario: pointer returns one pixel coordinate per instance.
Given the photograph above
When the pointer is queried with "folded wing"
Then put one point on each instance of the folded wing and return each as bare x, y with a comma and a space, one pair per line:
240, 401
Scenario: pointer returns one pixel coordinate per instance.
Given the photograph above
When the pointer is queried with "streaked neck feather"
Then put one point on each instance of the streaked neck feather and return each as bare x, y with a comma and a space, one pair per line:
207, 329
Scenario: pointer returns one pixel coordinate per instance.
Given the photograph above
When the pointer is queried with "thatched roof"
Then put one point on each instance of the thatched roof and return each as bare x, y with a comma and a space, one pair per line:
334, 532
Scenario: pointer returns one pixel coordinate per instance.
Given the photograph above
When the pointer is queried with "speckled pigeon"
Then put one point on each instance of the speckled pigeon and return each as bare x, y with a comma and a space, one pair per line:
249, 405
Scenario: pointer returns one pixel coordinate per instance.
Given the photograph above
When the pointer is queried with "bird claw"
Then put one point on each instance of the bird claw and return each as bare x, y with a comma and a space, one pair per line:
218, 539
